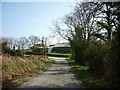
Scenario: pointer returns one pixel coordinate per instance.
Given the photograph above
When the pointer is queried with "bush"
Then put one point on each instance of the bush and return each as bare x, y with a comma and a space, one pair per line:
13, 52
16, 53
77, 49
112, 62
5, 48
94, 56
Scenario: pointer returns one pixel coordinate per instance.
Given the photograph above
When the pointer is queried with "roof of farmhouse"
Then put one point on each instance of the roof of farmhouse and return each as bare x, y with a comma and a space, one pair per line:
60, 45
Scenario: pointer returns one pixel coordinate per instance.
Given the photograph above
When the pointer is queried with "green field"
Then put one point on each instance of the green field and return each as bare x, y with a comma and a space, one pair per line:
58, 54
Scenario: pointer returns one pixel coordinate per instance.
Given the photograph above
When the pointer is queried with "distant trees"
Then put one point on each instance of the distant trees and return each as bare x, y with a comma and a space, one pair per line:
18, 46
33, 40
44, 45
23, 43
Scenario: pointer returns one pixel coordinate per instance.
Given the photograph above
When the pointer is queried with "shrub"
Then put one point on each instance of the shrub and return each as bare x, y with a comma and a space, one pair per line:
112, 62
5, 48
94, 56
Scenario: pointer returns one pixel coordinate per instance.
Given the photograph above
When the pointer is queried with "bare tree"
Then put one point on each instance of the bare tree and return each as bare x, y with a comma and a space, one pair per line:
22, 42
82, 16
11, 43
77, 27
107, 21
33, 40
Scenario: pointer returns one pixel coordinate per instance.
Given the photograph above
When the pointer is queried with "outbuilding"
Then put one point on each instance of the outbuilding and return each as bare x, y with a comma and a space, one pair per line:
60, 48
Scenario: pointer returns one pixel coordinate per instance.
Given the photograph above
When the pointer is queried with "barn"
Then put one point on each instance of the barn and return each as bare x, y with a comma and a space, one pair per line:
60, 48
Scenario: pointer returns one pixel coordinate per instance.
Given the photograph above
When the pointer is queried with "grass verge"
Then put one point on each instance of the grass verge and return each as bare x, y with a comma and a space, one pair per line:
16, 70
84, 75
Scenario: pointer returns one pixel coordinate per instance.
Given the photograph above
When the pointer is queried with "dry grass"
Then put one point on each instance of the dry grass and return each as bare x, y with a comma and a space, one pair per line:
14, 67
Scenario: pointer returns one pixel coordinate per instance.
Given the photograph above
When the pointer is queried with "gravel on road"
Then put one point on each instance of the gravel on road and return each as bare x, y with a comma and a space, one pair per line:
59, 75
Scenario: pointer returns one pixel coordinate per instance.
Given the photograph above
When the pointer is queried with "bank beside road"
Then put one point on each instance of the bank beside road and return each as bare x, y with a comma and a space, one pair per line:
82, 73
16, 70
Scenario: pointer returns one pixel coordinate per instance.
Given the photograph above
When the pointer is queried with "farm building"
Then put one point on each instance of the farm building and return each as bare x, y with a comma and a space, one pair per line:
38, 48
56, 48
59, 48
